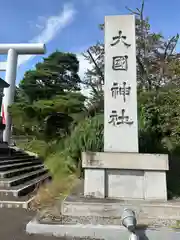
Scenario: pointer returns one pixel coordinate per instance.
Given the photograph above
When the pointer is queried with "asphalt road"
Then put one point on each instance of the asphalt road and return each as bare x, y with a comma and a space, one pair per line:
13, 224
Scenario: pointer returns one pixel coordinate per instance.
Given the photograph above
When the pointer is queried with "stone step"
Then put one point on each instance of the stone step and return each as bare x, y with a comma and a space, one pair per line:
19, 165
16, 172
16, 151
21, 175
24, 189
7, 183
20, 154
10, 198
4, 149
8, 157
5, 154
20, 203
9, 161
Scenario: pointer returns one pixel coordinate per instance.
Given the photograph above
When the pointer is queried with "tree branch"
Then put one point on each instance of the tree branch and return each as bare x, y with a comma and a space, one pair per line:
133, 12
98, 69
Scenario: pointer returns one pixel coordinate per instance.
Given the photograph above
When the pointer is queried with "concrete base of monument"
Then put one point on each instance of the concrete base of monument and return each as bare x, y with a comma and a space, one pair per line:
132, 176
99, 232
101, 219
76, 205
79, 217
108, 208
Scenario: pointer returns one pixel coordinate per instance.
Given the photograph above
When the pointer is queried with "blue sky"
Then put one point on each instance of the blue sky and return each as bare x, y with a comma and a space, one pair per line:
72, 25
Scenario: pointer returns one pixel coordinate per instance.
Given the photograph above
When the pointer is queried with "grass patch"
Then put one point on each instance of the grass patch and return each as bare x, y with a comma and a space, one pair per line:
176, 226
57, 190
63, 158
61, 168
37, 146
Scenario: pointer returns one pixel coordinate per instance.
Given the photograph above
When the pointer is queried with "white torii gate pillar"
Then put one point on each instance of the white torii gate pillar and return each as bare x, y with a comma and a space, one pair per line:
13, 50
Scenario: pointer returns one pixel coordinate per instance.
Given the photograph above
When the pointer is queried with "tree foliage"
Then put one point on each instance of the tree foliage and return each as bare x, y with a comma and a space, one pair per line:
157, 60
52, 88
160, 120
154, 54
57, 74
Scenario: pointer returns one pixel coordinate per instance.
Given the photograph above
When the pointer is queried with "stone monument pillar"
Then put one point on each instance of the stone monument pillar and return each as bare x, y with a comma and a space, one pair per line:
120, 171
120, 90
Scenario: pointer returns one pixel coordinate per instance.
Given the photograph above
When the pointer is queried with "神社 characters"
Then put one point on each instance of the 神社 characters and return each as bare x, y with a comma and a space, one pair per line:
116, 119
121, 90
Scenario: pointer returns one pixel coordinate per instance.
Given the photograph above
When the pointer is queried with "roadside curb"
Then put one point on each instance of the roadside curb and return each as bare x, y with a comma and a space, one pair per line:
107, 232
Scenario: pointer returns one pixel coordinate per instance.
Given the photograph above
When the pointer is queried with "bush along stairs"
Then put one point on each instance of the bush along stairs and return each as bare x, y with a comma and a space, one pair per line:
20, 176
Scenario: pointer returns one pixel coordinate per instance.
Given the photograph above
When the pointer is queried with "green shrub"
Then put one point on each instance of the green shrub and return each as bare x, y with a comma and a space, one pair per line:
37, 146
86, 136
60, 165
64, 157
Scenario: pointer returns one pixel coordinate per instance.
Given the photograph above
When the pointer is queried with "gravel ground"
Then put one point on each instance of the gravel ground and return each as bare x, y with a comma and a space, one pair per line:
53, 216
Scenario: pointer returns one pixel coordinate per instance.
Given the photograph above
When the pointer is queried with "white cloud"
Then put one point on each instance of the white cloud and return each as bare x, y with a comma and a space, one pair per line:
50, 27
83, 66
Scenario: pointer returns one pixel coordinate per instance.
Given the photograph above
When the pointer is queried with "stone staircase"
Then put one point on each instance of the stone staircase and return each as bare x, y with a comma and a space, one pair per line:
20, 176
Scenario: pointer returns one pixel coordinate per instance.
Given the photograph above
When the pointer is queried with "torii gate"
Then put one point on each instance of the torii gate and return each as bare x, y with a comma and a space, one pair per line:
12, 51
